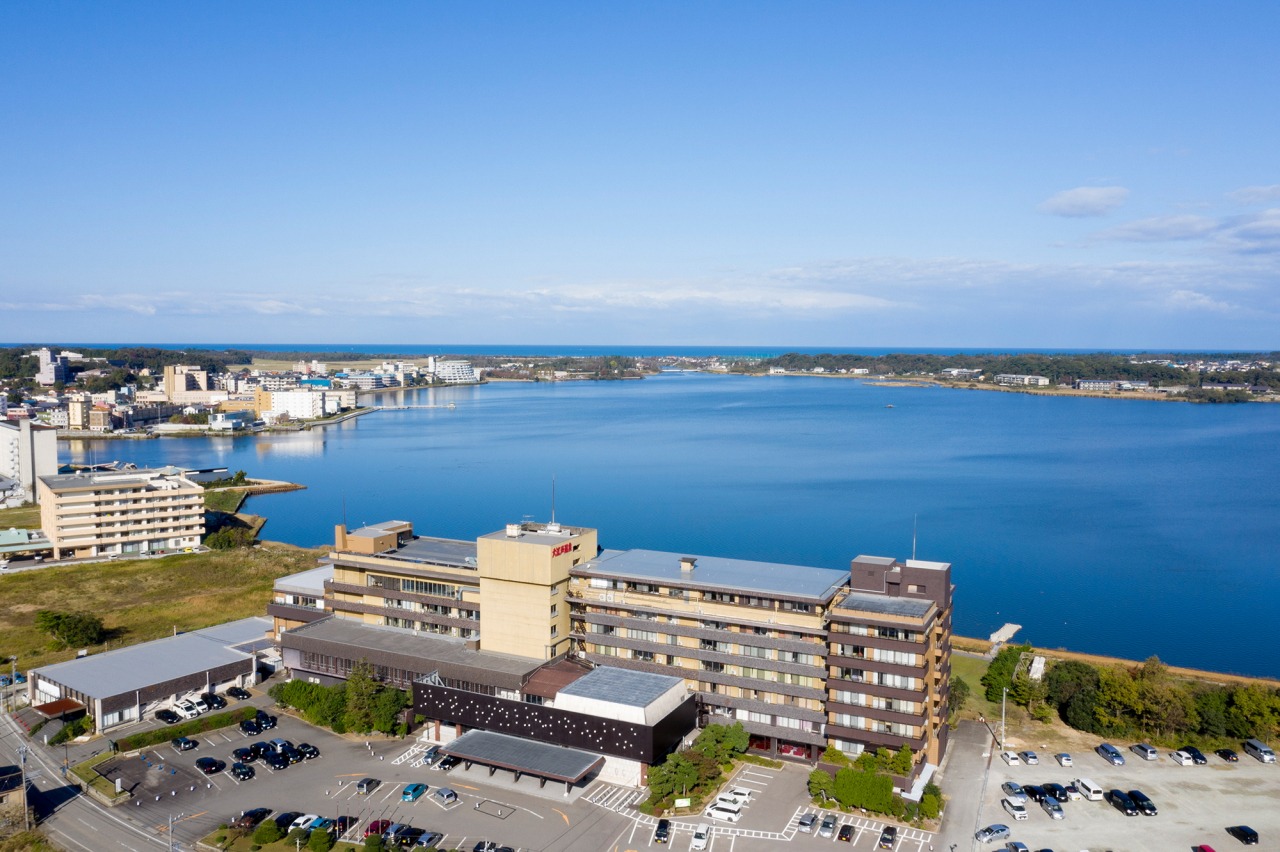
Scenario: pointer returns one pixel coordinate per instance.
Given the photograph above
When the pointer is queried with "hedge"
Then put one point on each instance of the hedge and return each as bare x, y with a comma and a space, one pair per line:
198, 725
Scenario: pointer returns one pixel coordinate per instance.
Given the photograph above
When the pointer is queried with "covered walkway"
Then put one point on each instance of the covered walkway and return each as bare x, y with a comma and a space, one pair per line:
543, 761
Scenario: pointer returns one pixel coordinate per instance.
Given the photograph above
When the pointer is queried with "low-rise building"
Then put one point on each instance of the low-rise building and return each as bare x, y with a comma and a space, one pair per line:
1023, 380
28, 451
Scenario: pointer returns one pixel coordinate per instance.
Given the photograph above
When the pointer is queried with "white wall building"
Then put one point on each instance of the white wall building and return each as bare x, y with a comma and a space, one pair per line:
27, 451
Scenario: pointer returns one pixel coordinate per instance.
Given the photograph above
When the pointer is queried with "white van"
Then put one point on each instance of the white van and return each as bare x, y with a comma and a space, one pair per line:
1260, 750
1088, 789
701, 835
724, 811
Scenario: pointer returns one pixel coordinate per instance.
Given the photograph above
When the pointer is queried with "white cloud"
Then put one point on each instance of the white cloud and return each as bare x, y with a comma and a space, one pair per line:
1085, 201
1191, 300
1259, 234
1162, 229
1256, 194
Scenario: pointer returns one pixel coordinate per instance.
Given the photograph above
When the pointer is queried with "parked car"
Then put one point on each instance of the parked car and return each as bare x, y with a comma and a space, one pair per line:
213, 701
1017, 810
845, 834
662, 834
304, 821
446, 763
186, 709
1110, 754
828, 827
1143, 804
1064, 759
238, 694
1013, 791
1120, 801
411, 837
242, 772
250, 819
992, 833
445, 796
1029, 758
250, 727
199, 704
413, 792
308, 751
1056, 791
378, 826
1035, 792
184, 743
365, 786
168, 717
291, 754
344, 823
1015, 846
807, 822
1052, 808
888, 837
1010, 758
1196, 754
485, 846
266, 720
1244, 834
244, 754
1181, 758
276, 760
702, 836
1228, 755
210, 765
1073, 793
1144, 751
285, 819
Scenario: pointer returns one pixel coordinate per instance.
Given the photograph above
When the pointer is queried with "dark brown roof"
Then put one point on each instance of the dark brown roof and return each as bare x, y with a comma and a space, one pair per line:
549, 680
57, 708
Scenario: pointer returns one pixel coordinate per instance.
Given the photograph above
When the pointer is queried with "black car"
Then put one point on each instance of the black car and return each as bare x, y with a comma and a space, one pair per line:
250, 819
244, 755
284, 820
168, 717
1197, 756
213, 701
265, 721
237, 693
241, 772
250, 727
276, 761
1035, 792
1228, 755
662, 834
261, 750
1142, 803
410, 837
291, 754
1244, 834
1057, 791
846, 833
210, 765
447, 763
308, 751
888, 837
1121, 801
184, 743
344, 823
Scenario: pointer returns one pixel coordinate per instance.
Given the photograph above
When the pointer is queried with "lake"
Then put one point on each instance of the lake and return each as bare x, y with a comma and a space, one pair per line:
1117, 527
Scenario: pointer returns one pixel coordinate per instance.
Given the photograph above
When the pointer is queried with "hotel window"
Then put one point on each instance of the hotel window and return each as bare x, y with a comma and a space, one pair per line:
793, 606
555, 610
915, 589
554, 630
646, 635
645, 656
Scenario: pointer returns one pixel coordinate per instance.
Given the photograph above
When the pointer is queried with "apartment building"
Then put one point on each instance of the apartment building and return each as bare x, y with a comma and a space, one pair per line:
27, 452
804, 657
130, 512
1022, 380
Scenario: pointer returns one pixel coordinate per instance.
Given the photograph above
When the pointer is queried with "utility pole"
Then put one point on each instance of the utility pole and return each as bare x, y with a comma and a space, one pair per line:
26, 810
1002, 699
171, 829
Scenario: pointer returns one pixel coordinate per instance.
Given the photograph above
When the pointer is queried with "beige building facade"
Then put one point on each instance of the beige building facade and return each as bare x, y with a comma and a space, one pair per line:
120, 513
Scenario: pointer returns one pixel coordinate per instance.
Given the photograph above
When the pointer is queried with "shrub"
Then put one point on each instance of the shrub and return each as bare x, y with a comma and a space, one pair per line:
373, 843
320, 841
266, 833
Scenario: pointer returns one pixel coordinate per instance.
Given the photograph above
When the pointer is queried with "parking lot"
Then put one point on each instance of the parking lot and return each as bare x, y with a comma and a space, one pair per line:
1195, 803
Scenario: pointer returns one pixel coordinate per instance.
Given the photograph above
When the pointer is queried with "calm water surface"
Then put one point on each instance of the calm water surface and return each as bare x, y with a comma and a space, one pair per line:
1118, 527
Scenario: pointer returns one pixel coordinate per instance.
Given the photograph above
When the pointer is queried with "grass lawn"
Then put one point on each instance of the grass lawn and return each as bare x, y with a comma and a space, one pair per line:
224, 500
23, 518
235, 842
143, 599
972, 669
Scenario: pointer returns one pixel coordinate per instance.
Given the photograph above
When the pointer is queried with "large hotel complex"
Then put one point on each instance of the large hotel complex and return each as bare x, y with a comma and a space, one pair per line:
514, 632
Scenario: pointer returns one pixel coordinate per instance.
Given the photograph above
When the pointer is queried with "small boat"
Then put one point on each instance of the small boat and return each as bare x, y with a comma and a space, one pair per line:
888, 406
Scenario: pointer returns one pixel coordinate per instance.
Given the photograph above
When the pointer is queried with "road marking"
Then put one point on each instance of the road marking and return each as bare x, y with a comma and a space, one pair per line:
563, 814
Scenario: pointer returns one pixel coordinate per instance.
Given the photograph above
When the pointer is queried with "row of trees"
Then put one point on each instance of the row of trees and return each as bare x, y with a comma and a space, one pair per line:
698, 769
359, 705
867, 783
1146, 700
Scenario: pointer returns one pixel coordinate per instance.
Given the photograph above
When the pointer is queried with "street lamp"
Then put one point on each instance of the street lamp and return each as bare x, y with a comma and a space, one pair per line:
1003, 697
180, 816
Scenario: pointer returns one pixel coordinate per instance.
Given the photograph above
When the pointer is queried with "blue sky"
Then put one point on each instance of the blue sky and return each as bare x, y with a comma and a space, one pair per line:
1013, 174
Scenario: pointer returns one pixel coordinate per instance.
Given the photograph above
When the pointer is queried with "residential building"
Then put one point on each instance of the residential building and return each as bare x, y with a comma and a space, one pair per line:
804, 657
53, 368
28, 451
452, 372
178, 379
1018, 379
112, 513
294, 404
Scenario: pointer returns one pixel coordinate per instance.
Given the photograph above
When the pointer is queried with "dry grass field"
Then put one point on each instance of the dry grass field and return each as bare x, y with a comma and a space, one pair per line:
23, 518
143, 599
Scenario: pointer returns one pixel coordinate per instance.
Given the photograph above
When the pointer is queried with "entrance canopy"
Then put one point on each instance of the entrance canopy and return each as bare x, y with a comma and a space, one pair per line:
54, 709
524, 757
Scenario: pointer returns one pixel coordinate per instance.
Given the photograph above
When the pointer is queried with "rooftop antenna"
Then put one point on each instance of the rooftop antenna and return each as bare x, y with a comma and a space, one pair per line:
915, 523
553, 499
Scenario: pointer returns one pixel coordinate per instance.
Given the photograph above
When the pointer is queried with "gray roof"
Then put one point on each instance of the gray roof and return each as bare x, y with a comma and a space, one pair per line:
559, 763
109, 477
310, 581
867, 602
731, 575
622, 686
436, 551
429, 648
141, 666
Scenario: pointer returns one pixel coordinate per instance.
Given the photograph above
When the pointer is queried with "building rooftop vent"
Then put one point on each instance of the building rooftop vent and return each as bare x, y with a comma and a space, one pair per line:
513, 530
688, 562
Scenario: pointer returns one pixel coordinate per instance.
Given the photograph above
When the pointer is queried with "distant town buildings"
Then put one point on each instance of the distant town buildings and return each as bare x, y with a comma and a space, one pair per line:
120, 513
1026, 381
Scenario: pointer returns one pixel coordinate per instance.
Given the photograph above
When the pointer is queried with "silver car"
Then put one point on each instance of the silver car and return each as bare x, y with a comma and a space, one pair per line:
807, 822
1014, 792
828, 827
992, 833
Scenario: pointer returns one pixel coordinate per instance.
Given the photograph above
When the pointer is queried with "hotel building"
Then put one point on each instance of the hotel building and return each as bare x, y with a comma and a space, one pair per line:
804, 657
127, 513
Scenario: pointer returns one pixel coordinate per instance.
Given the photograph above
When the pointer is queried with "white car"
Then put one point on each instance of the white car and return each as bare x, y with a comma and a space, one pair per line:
200, 706
1010, 758
1064, 759
303, 821
1182, 758
186, 710
701, 836
1017, 810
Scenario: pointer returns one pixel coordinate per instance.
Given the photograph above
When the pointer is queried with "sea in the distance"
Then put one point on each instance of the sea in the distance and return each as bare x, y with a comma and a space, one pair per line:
1117, 527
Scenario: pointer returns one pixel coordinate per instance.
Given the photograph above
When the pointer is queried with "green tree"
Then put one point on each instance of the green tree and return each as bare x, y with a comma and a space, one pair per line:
320, 841
1064, 679
71, 628
362, 692
958, 697
387, 705
1211, 710
820, 784
373, 843
1117, 704
903, 761
266, 833
1253, 711
999, 674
